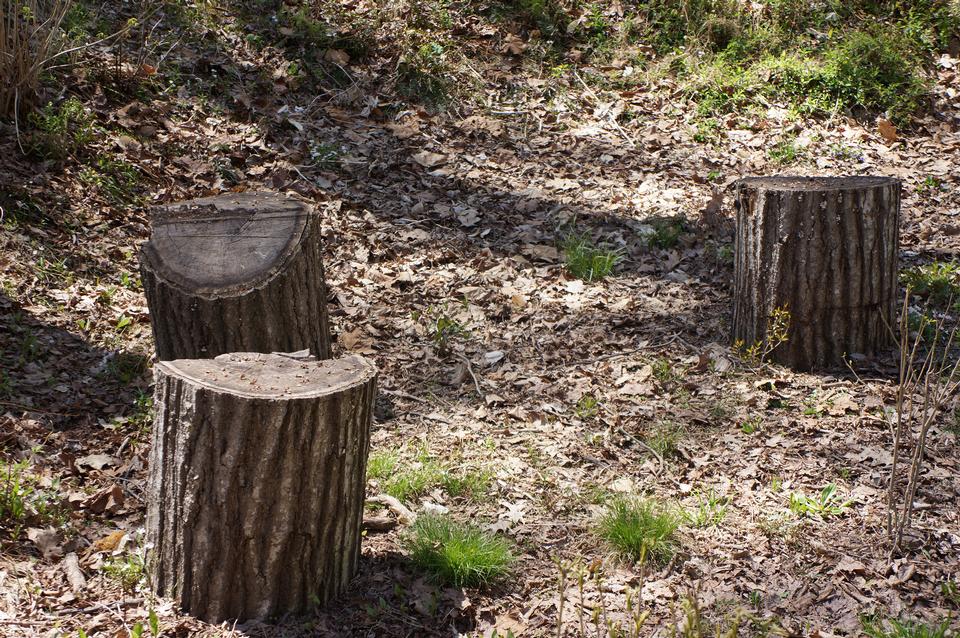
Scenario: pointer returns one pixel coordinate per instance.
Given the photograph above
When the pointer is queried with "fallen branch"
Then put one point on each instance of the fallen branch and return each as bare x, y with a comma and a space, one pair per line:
404, 515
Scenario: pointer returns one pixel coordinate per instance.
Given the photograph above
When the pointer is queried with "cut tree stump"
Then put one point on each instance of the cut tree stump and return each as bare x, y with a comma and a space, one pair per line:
256, 481
238, 272
825, 249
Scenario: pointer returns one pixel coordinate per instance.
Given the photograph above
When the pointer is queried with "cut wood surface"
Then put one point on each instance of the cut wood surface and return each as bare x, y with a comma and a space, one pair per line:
233, 273
826, 250
256, 481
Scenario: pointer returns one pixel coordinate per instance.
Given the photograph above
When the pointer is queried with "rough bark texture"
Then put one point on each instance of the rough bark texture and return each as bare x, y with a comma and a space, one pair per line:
256, 482
825, 249
239, 272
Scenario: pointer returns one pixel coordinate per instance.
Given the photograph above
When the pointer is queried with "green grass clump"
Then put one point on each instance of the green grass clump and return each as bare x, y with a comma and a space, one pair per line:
405, 480
458, 554
24, 501
711, 510
640, 529
664, 438
938, 281
666, 231
587, 261
894, 628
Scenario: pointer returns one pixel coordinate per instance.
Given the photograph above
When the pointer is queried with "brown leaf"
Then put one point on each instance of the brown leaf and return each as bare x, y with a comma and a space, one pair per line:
887, 130
337, 56
47, 541
107, 500
428, 159
97, 461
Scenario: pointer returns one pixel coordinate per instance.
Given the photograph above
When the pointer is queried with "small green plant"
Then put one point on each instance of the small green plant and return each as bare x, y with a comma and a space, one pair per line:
587, 261
127, 570
127, 367
938, 281
784, 152
664, 371
23, 499
666, 231
929, 184
407, 480
777, 333
751, 426
457, 554
324, 156
116, 179
708, 132
827, 503
640, 529
951, 591
894, 628
587, 407
710, 510
423, 75
442, 328
664, 438
52, 270
61, 130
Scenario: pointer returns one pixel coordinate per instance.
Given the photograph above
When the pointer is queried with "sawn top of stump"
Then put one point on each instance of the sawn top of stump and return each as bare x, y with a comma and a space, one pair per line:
272, 376
799, 183
229, 241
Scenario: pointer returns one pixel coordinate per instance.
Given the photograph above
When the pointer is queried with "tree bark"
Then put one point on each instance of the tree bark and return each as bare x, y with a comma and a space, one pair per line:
826, 250
239, 272
256, 482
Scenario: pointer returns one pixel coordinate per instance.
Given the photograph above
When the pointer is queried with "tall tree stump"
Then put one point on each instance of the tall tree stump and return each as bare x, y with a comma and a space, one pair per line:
825, 249
256, 481
238, 272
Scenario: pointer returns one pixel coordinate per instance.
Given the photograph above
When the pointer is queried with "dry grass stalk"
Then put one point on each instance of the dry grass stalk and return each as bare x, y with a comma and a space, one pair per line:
30, 38
929, 380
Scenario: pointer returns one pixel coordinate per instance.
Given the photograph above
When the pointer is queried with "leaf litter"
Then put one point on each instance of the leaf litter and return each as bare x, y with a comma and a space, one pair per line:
460, 215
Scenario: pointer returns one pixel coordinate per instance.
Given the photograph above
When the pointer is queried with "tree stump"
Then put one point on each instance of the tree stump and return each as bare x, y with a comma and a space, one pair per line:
238, 272
256, 481
825, 249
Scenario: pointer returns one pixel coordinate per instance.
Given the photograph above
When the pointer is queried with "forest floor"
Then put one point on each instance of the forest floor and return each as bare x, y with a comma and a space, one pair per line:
546, 393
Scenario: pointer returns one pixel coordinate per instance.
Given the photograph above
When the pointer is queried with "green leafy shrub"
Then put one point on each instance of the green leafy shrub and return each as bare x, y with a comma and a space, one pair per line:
877, 71
457, 554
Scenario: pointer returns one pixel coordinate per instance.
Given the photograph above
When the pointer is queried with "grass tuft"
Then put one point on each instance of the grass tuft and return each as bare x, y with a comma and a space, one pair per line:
458, 554
405, 480
588, 261
894, 628
640, 529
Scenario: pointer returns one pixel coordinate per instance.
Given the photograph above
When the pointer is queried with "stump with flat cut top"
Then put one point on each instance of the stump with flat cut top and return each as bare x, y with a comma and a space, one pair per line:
238, 272
256, 481
825, 249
